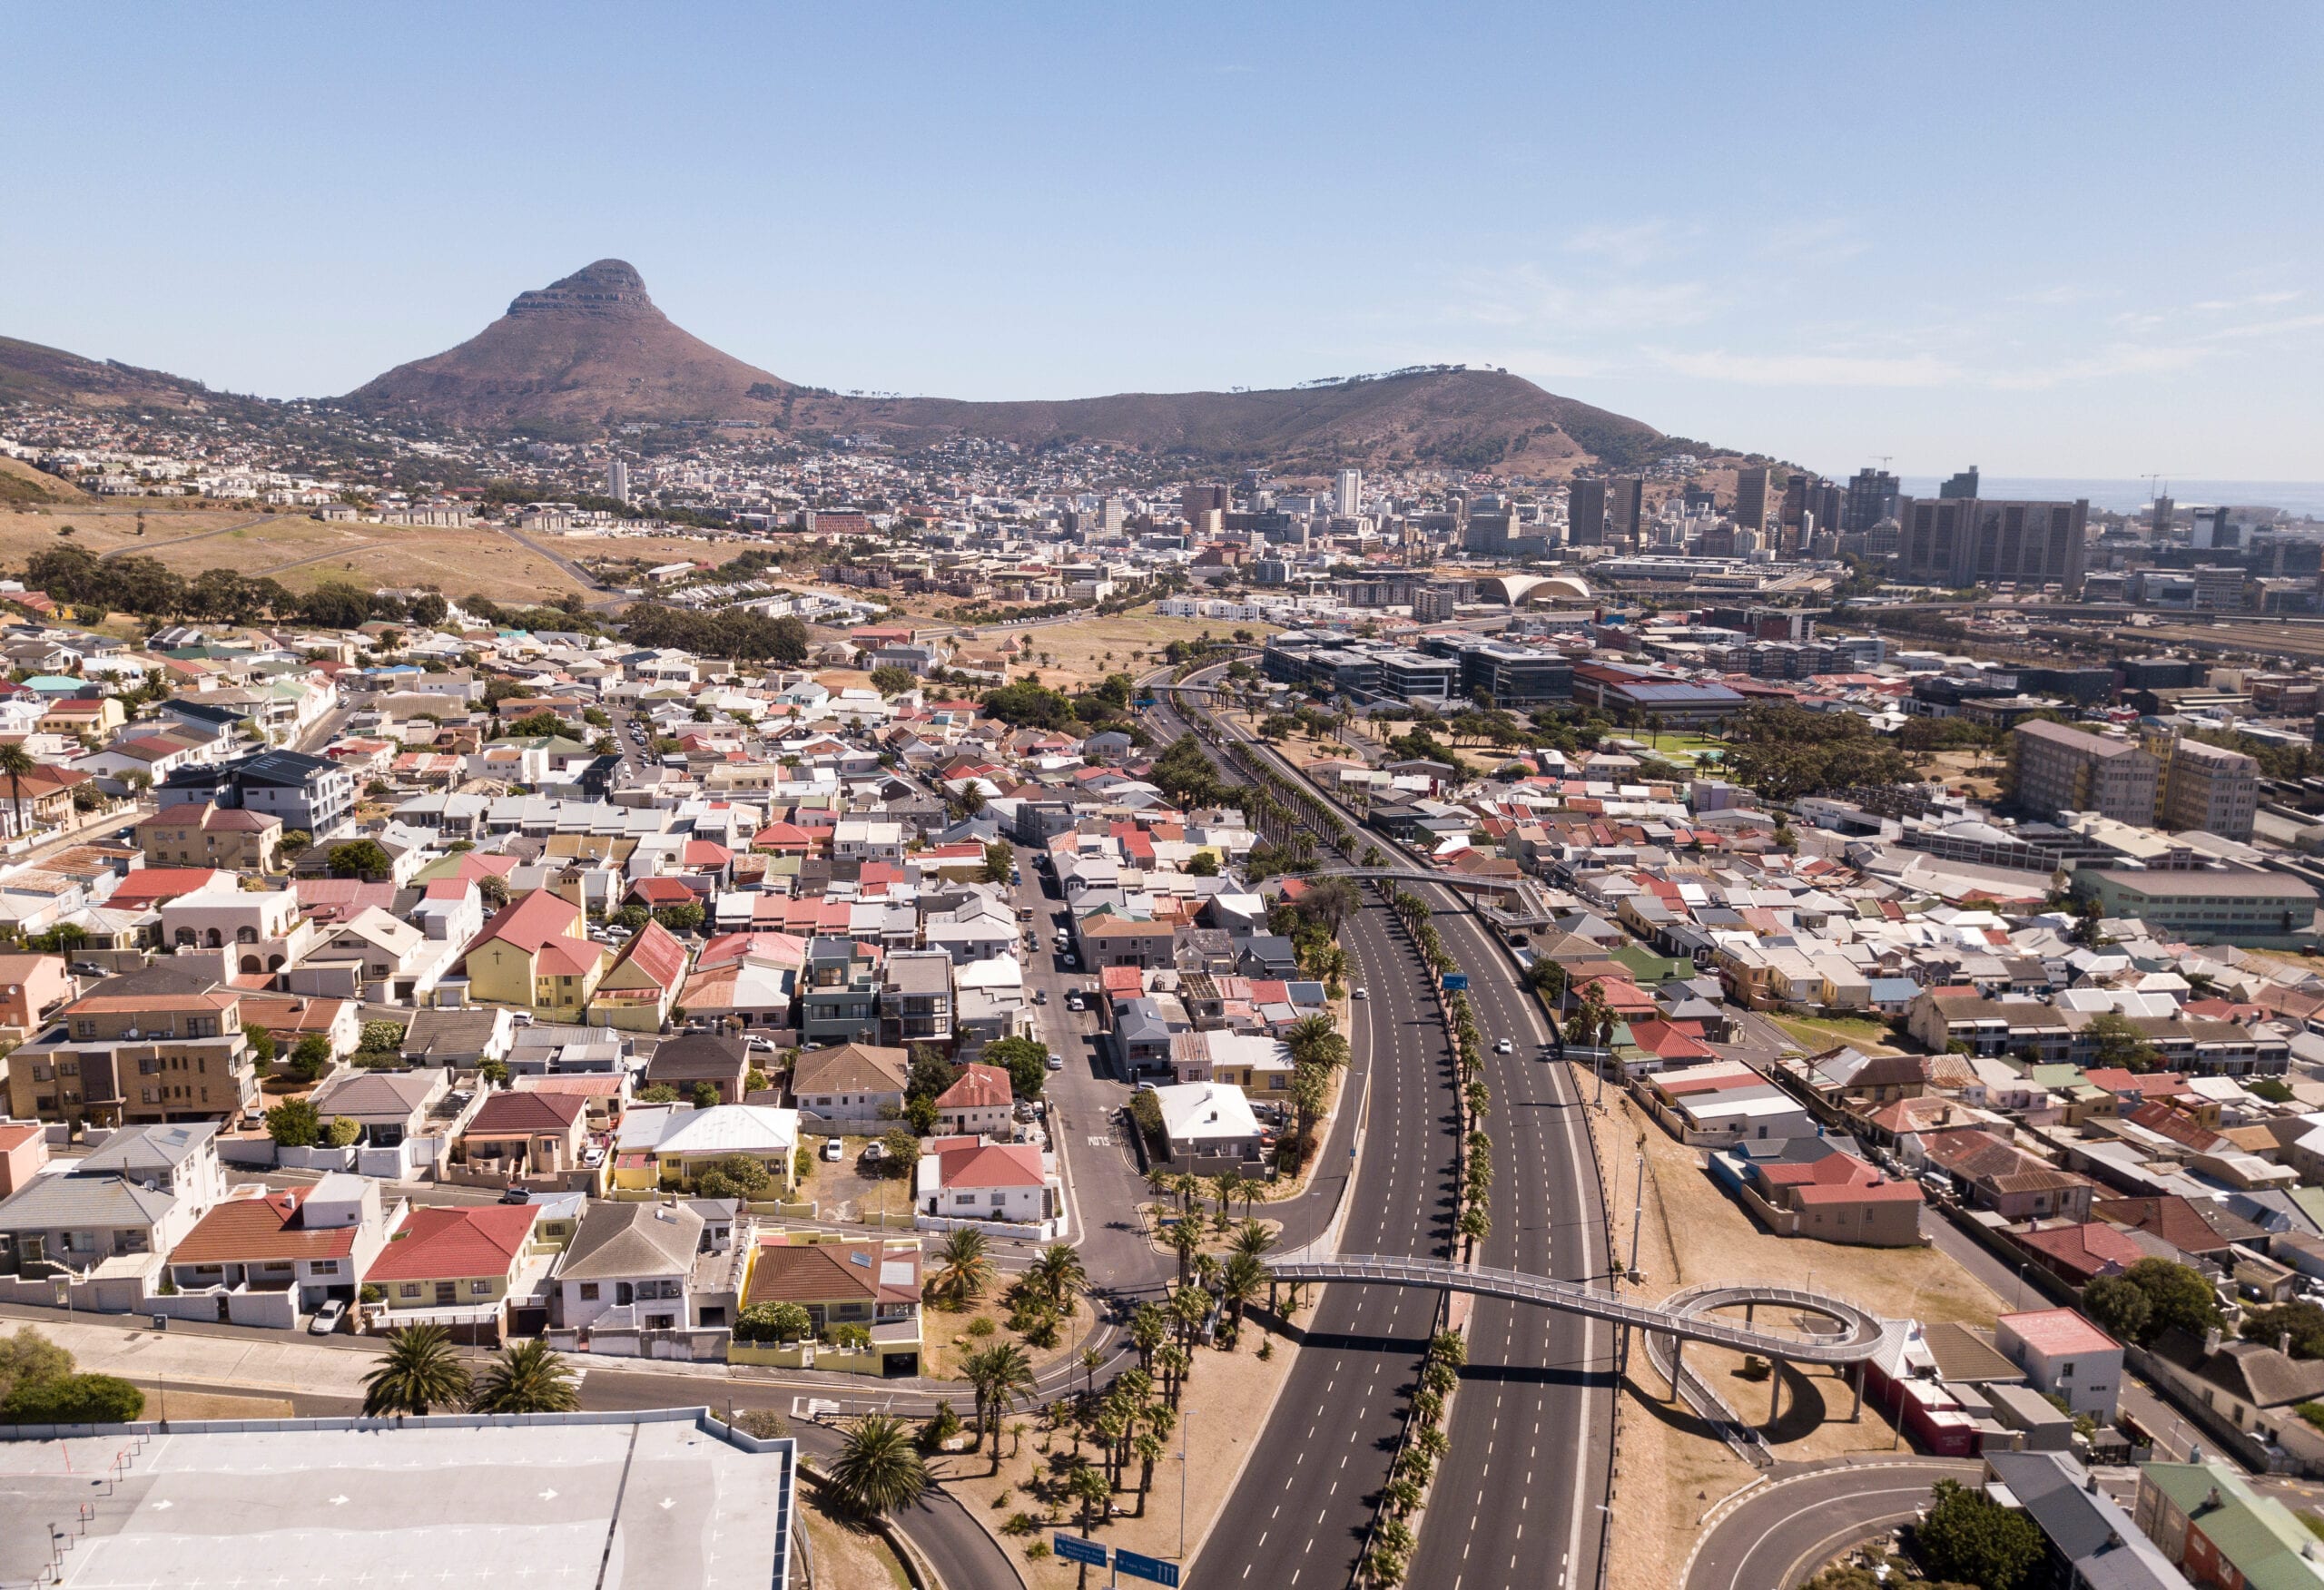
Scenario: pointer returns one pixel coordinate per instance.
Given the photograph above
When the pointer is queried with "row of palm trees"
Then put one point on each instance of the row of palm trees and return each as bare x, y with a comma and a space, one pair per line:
1393, 1540
419, 1373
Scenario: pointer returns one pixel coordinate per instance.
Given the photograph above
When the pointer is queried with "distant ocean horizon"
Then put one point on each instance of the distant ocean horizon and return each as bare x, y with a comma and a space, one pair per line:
2299, 497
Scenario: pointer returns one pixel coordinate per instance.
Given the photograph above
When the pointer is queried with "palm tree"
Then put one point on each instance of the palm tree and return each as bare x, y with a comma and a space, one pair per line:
1185, 1240
1240, 1279
1058, 1275
417, 1373
879, 1468
1148, 1447
963, 1265
1253, 1237
1150, 1328
16, 761
1224, 1187
1090, 1358
1089, 1488
1000, 1375
527, 1379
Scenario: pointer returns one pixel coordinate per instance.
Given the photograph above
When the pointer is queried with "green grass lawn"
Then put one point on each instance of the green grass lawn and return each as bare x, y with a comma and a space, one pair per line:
1824, 1032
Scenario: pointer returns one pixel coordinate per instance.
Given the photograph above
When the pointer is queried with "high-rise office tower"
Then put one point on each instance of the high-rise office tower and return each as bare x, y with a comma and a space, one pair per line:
1196, 501
1585, 513
1626, 511
2158, 525
618, 481
1347, 494
1963, 540
1872, 498
1962, 486
2208, 529
1751, 497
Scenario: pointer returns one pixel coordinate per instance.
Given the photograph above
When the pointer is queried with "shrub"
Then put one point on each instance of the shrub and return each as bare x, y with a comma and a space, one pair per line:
293, 1123
74, 1399
982, 1326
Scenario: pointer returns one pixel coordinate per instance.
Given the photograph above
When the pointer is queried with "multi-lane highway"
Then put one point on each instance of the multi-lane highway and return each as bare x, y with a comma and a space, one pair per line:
1516, 1500
1300, 1513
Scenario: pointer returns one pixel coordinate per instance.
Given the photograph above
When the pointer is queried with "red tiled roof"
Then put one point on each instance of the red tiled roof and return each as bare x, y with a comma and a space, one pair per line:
979, 1087
657, 953
541, 917
504, 1114
661, 891
990, 1164
152, 885
243, 1230
440, 1245
2092, 1247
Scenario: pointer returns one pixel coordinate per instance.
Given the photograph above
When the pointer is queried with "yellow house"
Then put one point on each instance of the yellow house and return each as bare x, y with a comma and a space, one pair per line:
97, 716
537, 954
637, 994
457, 1265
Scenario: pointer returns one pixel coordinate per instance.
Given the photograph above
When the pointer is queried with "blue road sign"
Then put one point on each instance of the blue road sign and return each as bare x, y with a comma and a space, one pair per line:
1454, 982
1146, 1567
1074, 1549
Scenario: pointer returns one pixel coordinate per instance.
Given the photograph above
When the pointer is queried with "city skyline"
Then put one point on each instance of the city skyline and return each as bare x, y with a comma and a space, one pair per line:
1766, 235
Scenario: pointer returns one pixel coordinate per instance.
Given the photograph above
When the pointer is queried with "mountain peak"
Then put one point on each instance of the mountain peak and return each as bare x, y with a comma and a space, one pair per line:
608, 288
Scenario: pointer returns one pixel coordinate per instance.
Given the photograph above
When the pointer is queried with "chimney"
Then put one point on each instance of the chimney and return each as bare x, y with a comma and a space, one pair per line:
2283, 1342
2211, 1340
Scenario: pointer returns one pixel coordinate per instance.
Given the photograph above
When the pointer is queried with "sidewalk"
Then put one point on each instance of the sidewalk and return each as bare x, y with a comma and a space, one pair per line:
293, 1364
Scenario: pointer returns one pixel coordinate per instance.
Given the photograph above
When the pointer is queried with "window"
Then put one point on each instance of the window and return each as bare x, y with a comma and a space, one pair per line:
480, 1288
589, 1292
411, 1289
326, 1267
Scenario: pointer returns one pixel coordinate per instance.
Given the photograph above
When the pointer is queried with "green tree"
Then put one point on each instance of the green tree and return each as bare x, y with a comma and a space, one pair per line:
998, 860
527, 1377
705, 1095
1203, 864
683, 918
892, 681
1027, 1061
16, 761
28, 1356
80, 1399
293, 1123
383, 1034
2304, 1322
1058, 1275
632, 917
261, 1043
900, 1151
360, 858
1970, 1537
774, 1322
2116, 1041
2178, 1297
309, 1060
735, 1175
878, 1469
416, 1374
963, 1266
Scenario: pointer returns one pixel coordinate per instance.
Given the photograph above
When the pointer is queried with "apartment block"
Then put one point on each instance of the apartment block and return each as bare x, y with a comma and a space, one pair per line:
2055, 768
2209, 787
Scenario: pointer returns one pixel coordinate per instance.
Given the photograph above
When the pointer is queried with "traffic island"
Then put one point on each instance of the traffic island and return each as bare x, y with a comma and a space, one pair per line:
1223, 1410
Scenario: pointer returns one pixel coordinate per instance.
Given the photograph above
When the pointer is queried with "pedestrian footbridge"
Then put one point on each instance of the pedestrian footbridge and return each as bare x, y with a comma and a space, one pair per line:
1854, 1334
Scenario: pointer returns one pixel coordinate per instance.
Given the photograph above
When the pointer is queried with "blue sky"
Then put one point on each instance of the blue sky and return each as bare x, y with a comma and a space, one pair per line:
2055, 239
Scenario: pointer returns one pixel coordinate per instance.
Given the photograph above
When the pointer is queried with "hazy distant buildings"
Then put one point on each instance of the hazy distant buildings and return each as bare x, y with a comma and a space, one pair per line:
1626, 511
1872, 497
1962, 486
1751, 498
1962, 541
1347, 494
2208, 529
1205, 507
618, 481
1585, 513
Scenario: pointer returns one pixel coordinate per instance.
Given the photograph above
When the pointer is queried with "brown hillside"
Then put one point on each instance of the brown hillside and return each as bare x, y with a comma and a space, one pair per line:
21, 483
588, 350
593, 350
30, 373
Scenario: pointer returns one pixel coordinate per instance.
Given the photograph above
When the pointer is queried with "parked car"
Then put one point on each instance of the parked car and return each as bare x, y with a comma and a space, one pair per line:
833, 1149
328, 1317
515, 1195
594, 1155
1041, 996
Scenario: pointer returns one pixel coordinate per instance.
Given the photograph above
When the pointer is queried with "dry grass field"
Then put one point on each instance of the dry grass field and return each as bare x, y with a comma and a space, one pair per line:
1077, 655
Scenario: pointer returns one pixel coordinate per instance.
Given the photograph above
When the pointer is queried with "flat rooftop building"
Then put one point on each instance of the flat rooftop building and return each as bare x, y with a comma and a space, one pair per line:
664, 1500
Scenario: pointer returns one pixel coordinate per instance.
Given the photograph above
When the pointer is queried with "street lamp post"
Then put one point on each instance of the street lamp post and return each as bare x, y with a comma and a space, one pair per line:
1186, 1424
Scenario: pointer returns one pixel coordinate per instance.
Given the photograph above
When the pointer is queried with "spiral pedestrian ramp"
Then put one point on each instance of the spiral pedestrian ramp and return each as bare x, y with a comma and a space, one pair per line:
1855, 1333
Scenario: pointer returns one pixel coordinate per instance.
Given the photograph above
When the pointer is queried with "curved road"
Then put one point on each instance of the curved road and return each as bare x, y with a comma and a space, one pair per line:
1783, 1533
